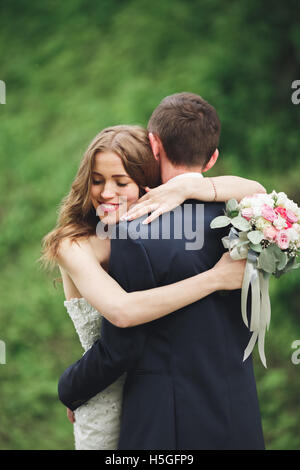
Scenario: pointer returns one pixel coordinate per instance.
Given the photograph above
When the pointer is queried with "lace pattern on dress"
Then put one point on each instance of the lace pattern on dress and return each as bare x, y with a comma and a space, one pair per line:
97, 422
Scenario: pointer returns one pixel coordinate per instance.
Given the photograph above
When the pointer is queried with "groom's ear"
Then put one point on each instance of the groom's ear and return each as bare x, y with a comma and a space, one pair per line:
212, 161
155, 145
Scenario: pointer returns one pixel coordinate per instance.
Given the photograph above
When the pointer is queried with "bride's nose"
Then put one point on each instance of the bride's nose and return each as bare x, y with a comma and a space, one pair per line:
108, 191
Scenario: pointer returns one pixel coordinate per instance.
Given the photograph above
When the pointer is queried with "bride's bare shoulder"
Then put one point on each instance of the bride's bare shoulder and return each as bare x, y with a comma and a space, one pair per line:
92, 246
68, 245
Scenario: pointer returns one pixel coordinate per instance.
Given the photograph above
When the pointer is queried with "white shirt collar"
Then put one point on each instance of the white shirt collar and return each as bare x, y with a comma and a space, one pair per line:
182, 175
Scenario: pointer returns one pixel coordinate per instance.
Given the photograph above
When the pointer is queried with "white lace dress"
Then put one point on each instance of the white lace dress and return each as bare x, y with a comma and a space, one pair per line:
97, 422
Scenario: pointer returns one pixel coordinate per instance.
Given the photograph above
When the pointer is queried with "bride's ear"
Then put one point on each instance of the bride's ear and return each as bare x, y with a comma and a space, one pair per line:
212, 161
155, 145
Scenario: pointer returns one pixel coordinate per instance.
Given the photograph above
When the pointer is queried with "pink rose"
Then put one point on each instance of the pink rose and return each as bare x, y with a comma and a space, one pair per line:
268, 213
291, 217
247, 213
282, 239
270, 233
281, 211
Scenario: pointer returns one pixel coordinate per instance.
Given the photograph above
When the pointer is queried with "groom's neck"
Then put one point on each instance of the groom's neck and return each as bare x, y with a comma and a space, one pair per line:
169, 171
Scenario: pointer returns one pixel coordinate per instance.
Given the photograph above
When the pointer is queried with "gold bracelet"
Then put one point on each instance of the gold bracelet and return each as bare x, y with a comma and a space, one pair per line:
215, 191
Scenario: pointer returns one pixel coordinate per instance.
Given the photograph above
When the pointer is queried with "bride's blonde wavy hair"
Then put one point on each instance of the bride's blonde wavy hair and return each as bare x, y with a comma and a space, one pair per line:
77, 217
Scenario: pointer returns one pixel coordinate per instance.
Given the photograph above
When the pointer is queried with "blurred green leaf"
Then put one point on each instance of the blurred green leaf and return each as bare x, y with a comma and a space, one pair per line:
73, 68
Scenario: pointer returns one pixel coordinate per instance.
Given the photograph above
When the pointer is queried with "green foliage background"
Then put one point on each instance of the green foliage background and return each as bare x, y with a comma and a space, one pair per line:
74, 67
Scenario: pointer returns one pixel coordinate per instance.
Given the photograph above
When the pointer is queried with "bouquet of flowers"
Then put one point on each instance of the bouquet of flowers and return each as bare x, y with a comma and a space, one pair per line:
265, 230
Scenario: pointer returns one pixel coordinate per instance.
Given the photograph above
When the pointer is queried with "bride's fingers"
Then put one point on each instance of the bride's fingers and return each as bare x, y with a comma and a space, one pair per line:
145, 197
137, 206
155, 214
151, 194
131, 211
140, 210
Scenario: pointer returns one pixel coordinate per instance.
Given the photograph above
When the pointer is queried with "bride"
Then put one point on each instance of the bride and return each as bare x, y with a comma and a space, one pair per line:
115, 170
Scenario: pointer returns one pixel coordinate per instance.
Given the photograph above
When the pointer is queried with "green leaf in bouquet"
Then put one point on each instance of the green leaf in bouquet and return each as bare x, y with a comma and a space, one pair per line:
290, 265
240, 223
282, 261
220, 221
280, 256
257, 248
243, 237
273, 248
296, 265
255, 237
242, 243
267, 261
233, 214
232, 207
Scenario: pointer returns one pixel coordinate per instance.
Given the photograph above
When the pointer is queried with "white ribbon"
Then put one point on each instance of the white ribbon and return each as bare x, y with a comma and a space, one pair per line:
260, 300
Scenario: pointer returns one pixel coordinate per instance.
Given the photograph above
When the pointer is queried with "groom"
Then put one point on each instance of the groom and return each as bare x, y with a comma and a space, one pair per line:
186, 386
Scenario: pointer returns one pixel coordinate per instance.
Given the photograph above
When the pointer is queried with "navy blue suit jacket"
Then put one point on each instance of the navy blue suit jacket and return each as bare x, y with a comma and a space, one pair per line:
187, 386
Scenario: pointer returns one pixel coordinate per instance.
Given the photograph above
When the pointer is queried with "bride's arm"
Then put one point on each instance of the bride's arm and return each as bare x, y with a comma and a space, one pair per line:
222, 188
169, 195
129, 309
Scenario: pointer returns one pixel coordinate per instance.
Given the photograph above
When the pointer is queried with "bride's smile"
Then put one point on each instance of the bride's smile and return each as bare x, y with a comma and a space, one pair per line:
112, 189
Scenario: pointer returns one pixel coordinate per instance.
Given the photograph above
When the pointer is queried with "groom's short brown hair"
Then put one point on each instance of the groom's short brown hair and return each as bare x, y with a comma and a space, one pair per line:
188, 127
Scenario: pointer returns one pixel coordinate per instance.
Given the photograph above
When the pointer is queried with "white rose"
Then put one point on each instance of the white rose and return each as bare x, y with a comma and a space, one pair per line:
264, 199
262, 223
296, 227
293, 234
246, 202
256, 211
281, 199
269, 201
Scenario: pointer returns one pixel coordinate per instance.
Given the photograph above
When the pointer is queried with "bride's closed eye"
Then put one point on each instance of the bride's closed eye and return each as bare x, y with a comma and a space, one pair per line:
122, 185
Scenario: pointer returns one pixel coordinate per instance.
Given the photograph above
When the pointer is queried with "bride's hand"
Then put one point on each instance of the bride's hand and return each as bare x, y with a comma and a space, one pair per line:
158, 200
230, 272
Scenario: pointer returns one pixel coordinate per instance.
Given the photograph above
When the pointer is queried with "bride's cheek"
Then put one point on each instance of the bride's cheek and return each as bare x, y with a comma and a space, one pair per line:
132, 196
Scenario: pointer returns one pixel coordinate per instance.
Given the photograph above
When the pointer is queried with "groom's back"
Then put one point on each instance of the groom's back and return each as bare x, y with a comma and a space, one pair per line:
190, 388
174, 256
